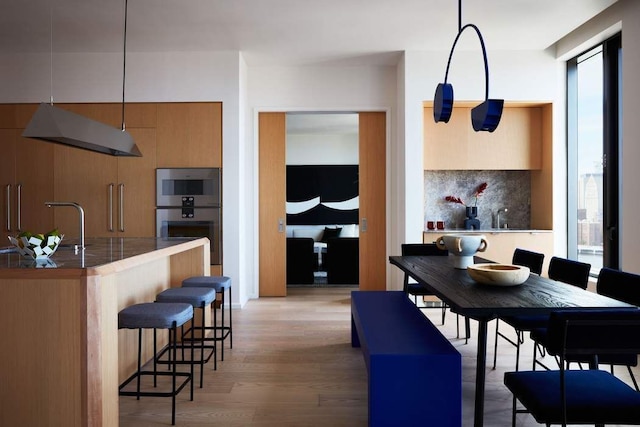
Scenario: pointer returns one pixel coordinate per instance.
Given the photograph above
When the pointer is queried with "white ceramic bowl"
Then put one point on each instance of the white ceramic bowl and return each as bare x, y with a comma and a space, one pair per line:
498, 274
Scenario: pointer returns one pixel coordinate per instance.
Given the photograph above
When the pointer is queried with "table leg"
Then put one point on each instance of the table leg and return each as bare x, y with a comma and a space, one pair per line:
481, 360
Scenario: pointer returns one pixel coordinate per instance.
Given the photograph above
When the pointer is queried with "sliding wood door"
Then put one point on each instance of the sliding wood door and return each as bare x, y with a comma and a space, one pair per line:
373, 235
272, 205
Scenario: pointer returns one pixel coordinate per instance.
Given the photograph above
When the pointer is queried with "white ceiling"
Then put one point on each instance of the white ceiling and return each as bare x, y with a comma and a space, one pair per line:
286, 32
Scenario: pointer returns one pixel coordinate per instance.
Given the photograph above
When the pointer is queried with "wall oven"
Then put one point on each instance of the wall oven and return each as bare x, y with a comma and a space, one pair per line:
177, 187
191, 222
188, 204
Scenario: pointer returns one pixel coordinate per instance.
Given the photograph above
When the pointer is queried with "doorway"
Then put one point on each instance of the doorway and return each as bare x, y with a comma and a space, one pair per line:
371, 223
322, 199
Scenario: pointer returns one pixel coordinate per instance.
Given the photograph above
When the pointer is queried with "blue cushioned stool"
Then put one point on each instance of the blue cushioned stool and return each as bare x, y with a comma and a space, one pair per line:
198, 298
157, 316
219, 284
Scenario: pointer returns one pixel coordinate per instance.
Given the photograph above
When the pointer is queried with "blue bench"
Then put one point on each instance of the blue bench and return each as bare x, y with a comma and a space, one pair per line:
415, 374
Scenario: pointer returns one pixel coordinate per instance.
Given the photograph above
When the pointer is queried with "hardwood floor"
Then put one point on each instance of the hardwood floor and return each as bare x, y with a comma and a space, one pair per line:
292, 364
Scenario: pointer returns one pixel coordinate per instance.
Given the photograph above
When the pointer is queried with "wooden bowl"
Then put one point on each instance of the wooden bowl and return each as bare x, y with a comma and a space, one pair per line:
498, 274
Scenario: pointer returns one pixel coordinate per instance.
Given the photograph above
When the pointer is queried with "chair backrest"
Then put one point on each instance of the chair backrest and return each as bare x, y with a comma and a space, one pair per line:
591, 332
619, 285
422, 249
575, 273
533, 260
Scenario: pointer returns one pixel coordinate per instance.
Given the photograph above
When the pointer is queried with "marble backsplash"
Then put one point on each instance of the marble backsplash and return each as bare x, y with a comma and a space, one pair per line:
506, 189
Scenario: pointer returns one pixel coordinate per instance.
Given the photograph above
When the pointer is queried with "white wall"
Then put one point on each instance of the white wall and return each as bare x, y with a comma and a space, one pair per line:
329, 149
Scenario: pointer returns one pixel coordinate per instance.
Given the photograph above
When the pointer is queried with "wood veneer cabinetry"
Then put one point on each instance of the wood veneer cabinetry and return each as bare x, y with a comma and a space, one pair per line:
116, 193
167, 134
516, 144
189, 135
26, 178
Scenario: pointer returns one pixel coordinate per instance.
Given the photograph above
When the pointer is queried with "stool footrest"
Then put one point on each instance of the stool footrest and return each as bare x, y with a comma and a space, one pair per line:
179, 388
196, 361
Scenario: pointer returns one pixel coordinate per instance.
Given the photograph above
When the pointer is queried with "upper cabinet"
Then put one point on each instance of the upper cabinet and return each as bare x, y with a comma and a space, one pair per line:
189, 135
517, 143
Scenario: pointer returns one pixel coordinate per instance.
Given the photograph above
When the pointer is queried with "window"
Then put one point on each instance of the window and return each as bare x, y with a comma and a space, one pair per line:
593, 101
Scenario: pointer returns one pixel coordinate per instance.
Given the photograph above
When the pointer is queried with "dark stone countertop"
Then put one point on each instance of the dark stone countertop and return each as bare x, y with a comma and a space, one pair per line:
98, 251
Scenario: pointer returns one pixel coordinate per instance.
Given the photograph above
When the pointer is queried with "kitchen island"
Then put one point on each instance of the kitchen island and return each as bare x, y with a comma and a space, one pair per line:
63, 357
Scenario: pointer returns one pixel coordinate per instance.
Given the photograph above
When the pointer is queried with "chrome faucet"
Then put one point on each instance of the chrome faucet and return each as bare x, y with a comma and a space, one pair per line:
80, 211
505, 210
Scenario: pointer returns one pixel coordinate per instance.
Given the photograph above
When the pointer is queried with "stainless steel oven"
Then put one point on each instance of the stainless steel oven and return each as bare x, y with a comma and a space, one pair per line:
188, 204
192, 222
195, 187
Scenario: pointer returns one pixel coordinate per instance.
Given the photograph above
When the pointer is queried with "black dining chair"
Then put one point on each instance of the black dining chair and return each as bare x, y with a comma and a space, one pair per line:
615, 284
589, 396
521, 324
565, 270
575, 273
416, 289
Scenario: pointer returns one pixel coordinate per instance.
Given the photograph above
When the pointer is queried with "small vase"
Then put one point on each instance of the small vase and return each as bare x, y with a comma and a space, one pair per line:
471, 211
471, 223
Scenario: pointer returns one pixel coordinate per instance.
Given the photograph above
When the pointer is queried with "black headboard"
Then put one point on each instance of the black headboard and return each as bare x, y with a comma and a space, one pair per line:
332, 183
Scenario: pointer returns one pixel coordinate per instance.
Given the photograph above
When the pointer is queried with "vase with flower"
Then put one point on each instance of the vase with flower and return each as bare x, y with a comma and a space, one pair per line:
471, 222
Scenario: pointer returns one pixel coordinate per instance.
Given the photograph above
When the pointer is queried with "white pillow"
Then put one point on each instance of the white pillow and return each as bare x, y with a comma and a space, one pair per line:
349, 230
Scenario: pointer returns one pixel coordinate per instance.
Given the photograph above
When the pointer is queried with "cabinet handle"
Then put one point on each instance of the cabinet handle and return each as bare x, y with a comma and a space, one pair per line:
110, 208
121, 216
19, 207
8, 207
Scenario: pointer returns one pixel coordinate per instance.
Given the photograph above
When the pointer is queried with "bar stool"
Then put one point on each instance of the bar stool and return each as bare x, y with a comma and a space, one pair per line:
198, 298
219, 283
157, 316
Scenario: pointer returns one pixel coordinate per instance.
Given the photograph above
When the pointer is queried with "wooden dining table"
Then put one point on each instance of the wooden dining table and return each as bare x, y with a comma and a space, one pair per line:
465, 296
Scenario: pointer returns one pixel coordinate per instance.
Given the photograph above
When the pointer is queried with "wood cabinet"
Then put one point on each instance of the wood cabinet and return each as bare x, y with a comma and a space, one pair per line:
26, 177
189, 135
501, 244
116, 193
517, 143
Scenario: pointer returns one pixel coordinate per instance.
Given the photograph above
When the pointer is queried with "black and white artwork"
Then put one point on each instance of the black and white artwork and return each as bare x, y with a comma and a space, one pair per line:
322, 194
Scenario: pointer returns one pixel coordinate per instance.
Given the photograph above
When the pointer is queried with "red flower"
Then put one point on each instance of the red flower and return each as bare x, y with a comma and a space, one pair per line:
479, 190
454, 199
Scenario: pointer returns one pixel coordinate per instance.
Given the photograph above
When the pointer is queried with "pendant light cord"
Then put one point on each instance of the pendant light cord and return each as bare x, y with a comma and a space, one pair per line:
484, 50
124, 60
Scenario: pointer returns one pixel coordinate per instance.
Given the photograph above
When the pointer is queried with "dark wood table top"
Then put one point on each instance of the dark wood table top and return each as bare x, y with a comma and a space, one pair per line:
538, 295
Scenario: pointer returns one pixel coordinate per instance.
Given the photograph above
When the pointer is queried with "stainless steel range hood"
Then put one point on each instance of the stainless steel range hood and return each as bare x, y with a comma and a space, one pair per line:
54, 124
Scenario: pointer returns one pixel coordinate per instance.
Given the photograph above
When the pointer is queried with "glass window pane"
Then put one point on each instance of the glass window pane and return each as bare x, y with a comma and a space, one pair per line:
589, 159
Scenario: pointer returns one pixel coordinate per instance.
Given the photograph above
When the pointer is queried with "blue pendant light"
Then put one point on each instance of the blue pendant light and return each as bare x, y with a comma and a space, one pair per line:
484, 117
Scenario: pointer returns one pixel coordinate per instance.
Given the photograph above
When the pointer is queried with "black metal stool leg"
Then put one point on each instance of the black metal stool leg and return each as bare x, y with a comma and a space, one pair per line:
222, 326
230, 320
173, 377
139, 362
